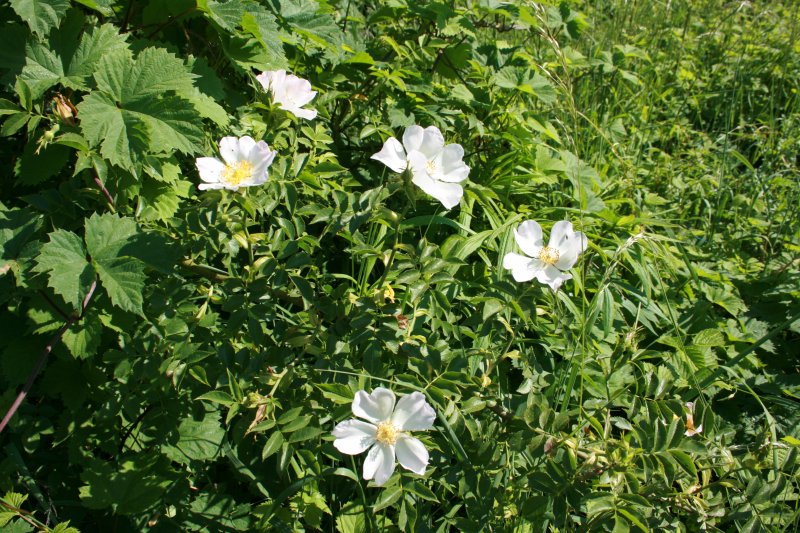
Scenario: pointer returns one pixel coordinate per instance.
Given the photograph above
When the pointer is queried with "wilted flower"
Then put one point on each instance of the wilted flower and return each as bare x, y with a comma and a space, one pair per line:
690, 429
385, 433
246, 163
289, 92
435, 168
545, 263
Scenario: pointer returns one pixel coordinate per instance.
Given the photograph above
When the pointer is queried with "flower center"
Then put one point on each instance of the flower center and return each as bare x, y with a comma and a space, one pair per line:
431, 167
236, 174
549, 256
387, 433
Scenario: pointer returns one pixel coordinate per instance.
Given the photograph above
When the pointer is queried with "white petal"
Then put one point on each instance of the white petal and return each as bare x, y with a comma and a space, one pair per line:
277, 80
264, 79
522, 268
529, 237
562, 230
308, 114
260, 155
229, 149
210, 169
301, 90
412, 137
552, 276
392, 155
246, 145
412, 454
432, 142
354, 436
448, 193
375, 407
413, 413
570, 248
453, 168
379, 463
211, 186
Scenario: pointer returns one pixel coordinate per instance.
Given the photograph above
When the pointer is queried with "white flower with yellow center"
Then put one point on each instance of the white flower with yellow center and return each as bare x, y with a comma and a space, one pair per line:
385, 433
435, 168
545, 263
245, 163
289, 92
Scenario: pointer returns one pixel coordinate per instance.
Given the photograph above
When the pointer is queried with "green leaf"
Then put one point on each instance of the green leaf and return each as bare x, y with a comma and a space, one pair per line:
83, 339
218, 396
108, 234
305, 18
160, 201
122, 276
273, 444
12, 55
256, 21
101, 6
17, 226
198, 440
123, 279
141, 106
70, 273
388, 497
135, 486
41, 15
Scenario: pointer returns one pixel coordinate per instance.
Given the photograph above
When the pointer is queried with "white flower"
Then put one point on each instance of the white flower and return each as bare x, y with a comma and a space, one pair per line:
435, 168
385, 433
246, 163
289, 92
545, 263
690, 429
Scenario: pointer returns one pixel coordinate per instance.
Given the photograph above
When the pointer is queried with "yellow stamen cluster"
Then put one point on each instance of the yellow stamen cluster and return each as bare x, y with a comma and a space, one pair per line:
236, 174
387, 433
549, 256
430, 167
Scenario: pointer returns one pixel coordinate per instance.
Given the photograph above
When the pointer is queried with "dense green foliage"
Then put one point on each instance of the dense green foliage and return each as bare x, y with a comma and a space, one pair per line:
213, 339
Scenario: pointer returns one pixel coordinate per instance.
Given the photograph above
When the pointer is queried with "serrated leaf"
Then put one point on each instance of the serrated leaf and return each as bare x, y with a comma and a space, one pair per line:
17, 226
141, 106
198, 440
101, 6
135, 486
70, 274
38, 164
64, 527
256, 21
108, 234
41, 15
83, 338
305, 18
123, 279
160, 201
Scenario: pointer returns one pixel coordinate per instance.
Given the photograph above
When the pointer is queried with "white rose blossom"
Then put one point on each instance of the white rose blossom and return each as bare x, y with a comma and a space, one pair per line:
545, 263
385, 432
435, 168
289, 92
245, 164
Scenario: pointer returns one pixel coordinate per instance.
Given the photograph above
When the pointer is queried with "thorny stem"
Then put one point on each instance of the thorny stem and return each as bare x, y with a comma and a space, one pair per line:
109, 198
43, 358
